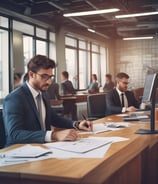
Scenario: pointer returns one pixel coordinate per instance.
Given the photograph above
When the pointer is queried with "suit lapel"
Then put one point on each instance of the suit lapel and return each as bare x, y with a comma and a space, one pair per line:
30, 99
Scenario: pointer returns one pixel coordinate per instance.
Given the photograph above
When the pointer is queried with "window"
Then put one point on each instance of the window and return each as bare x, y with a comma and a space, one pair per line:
103, 62
4, 22
23, 27
71, 42
28, 50
30, 42
41, 47
71, 65
41, 33
52, 46
84, 58
83, 64
4, 73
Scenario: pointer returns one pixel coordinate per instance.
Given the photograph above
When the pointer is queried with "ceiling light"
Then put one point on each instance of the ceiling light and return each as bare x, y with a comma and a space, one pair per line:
91, 12
136, 15
91, 30
139, 38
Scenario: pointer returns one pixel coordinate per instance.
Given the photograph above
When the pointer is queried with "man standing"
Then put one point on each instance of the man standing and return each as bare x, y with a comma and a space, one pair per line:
119, 99
68, 89
109, 84
28, 117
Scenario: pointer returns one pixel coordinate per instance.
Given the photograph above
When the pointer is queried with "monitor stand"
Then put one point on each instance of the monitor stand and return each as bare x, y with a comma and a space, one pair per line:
152, 120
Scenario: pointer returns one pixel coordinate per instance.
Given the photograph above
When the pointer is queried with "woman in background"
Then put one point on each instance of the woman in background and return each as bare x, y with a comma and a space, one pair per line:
93, 86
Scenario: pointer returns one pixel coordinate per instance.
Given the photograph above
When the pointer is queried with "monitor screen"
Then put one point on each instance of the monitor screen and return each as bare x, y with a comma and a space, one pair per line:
149, 87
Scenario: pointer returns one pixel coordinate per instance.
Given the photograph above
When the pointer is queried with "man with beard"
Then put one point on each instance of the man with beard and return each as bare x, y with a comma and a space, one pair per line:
28, 116
119, 99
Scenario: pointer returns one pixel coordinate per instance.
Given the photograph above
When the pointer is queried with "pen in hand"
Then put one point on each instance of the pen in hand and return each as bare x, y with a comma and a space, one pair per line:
84, 117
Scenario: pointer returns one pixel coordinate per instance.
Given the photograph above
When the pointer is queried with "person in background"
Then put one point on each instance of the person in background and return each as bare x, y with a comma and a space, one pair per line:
56, 102
67, 88
93, 86
119, 99
53, 90
27, 114
109, 84
17, 80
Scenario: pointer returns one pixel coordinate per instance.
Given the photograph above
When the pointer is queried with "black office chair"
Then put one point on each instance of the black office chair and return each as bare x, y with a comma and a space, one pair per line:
2, 131
96, 106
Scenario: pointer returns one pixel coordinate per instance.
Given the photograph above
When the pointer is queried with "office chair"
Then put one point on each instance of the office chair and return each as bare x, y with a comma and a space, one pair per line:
2, 131
96, 106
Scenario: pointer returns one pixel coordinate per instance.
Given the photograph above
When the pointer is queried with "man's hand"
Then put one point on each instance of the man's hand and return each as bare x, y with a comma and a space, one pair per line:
131, 109
86, 125
64, 135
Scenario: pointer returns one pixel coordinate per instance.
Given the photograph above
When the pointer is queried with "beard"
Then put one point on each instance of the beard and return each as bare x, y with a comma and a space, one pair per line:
41, 88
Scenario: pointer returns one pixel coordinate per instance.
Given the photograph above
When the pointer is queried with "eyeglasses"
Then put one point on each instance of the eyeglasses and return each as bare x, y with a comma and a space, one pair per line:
46, 76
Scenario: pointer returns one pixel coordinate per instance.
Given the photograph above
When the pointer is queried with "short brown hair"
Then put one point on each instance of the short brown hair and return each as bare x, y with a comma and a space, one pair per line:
65, 74
40, 62
95, 76
108, 76
122, 75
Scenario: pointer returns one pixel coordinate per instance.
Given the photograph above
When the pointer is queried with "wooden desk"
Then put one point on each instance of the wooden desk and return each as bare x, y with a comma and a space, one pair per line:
76, 97
79, 97
130, 162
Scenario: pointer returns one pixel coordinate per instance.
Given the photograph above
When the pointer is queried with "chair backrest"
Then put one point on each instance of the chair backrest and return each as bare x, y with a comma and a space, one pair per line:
96, 105
138, 93
2, 131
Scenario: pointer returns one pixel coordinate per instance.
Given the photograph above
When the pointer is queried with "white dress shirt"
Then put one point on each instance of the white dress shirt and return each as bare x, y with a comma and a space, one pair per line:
125, 99
34, 94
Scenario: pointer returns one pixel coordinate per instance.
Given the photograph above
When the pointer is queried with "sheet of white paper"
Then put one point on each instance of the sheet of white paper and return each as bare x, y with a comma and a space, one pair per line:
117, 125
7, 159
96, 153
26, 151
100, 127
12, 161
79, 146
103, 127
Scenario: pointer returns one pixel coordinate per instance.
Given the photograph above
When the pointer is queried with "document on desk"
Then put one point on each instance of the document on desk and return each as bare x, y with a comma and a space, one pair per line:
23, 154
95, 153
82, 145
104, 127
26, 151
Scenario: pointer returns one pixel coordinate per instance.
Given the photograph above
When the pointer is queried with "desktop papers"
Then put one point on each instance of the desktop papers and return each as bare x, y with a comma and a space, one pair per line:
98, 152
26, 153
103, 127
82, 145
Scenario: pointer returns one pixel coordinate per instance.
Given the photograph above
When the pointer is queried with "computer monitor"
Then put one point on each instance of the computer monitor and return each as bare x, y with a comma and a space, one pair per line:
149, 95
149, 87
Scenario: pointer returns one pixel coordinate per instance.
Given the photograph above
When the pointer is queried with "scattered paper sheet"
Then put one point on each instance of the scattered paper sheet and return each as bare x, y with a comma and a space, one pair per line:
96, 153
23, 154
103, 127
81, 145
26, 151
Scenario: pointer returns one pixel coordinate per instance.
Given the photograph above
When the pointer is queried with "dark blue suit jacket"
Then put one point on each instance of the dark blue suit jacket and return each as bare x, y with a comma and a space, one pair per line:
113, 103
67, 87
21, 119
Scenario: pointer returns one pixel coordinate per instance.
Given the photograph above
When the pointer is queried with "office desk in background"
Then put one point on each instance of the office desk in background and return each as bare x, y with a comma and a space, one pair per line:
79, 97
130, 162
